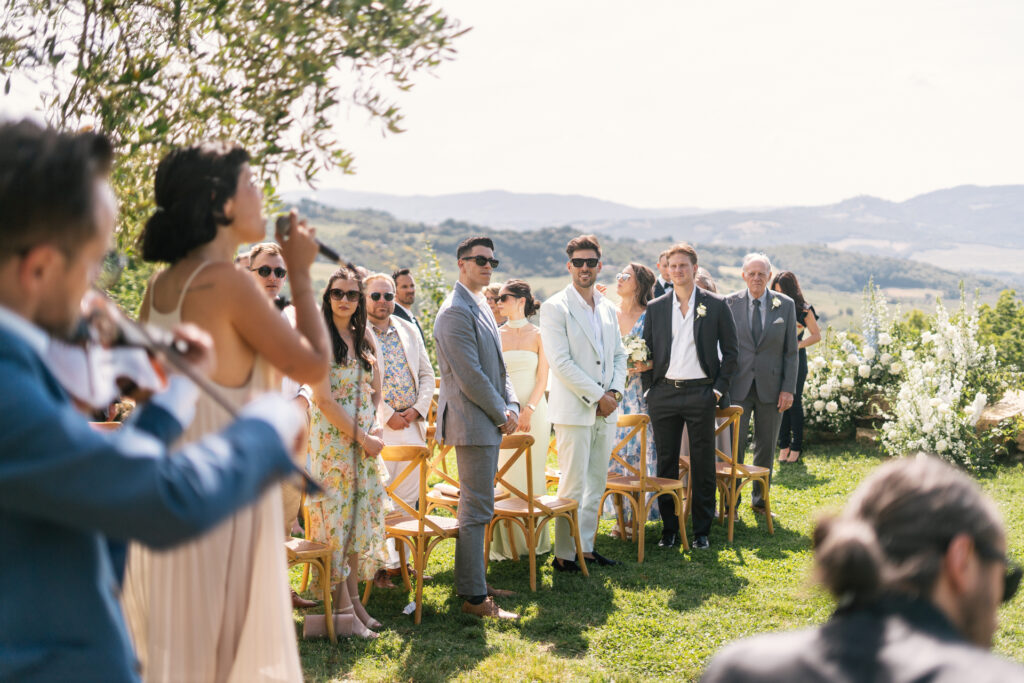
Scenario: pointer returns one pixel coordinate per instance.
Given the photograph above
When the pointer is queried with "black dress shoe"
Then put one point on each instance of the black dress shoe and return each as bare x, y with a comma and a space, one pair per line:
669, 540
602, 560
564, 565
701, 543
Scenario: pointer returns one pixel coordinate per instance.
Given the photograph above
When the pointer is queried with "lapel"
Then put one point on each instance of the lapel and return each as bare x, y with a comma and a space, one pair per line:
484, 320
738, 306
408, 348
698, 320
770, 317
582, 316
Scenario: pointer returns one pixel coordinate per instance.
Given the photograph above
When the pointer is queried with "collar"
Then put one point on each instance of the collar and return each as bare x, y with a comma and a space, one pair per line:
479, 298
919, 612
664, 283
579, 298
692, 303
398, 305
28, 332
763, 298
391, 326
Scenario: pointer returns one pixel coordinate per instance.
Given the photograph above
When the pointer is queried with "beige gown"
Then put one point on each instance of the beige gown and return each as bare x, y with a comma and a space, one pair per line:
216, 609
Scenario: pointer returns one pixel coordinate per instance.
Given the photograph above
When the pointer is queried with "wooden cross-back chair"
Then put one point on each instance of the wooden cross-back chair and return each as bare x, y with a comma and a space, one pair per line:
527, 510
731, 475
445, 494
639, 488
413, 529
307, 552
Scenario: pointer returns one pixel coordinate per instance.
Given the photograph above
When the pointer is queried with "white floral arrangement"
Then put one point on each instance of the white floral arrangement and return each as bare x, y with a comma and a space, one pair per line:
637, 352
830, 393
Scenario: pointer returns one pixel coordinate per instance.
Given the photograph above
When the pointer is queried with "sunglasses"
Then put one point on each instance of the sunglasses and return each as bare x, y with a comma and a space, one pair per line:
580, 262
622, 277
1014, 572
505, 297
481, 260
265, 271
388, 296
352, 295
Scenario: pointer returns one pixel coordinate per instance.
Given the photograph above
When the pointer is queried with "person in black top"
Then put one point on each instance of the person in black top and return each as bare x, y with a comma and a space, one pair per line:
791, 433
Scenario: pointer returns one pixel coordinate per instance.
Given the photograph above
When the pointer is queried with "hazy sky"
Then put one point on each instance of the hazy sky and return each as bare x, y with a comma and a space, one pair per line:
683, 103
716, 103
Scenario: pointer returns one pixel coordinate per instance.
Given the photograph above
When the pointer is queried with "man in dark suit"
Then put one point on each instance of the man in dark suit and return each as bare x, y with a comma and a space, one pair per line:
766, 376
476, 405
405, 297
685, 330
917, 561
663, 283
65, 488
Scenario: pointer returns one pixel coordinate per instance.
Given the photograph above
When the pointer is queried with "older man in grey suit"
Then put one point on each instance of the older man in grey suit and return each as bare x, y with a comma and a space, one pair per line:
766, 377
476, 406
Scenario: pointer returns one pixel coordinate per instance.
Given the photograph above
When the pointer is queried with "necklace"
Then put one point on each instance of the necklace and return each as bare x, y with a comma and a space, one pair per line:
516, 324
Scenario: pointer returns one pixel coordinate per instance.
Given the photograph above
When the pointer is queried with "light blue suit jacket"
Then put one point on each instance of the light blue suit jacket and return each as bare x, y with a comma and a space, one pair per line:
65, 489
581, 372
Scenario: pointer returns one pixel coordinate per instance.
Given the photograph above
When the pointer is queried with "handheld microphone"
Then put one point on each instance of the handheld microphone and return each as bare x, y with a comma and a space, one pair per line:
284, 226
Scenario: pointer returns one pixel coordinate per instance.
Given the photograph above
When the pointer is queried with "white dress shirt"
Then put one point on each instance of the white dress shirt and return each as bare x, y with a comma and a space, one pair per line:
683, 362
764, 309
592, 314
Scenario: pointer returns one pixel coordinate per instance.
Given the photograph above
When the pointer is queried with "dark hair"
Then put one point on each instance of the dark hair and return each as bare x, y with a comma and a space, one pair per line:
789, 285
466, 245
358, 321
644, 279
192, 185
399, 273
47, 184
521, 290
583, 242
895, 530
682, 248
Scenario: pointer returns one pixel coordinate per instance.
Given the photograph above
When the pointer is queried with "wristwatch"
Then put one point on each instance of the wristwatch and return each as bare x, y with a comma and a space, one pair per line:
531, 407
617, 395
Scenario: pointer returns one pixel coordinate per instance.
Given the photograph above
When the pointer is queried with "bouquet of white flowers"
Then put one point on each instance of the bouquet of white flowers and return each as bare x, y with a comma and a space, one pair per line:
637, 352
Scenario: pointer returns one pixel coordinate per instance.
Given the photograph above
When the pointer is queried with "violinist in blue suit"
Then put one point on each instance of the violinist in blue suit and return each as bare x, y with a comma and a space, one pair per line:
66, 489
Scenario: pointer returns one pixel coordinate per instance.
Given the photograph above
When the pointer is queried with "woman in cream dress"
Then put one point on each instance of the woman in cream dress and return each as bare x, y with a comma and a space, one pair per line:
528, 369
217, 608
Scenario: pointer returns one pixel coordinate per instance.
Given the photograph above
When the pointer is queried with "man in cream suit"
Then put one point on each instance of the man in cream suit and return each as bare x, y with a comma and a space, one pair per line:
765, 378
588, 374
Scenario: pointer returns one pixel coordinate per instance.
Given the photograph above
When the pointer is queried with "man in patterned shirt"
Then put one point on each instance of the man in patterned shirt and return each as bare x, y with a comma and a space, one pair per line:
407, 382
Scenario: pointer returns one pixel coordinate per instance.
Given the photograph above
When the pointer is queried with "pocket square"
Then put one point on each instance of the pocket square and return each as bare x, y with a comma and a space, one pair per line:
778, 321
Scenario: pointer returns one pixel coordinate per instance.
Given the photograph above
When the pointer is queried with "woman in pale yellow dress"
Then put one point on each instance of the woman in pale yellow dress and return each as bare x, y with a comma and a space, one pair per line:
528, 368
217, 608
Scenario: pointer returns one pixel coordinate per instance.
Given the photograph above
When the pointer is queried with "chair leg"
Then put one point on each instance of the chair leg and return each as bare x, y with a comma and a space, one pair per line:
511, 540
531, 543
366, 591
620, 514
402, 563
325, 579
488, 534
732, 512
682, 518
305, 577
574, 522
768, 509
420, 568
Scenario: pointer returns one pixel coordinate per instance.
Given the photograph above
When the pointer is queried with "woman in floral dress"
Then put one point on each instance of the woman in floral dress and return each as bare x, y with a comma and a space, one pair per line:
635, 287
345, 445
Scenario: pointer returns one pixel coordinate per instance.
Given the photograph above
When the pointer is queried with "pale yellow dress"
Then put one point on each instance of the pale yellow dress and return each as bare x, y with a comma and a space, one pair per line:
216, 609
521, 365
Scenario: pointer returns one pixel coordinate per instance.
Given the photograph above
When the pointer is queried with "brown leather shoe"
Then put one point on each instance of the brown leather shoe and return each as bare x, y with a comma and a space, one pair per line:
499, 592
487, 608
299, 602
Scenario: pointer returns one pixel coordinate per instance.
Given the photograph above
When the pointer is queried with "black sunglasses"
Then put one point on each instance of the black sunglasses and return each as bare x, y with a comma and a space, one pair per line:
505, 297
388, 296
1014, 572
590, 262
481, 260
339, 294
265, 271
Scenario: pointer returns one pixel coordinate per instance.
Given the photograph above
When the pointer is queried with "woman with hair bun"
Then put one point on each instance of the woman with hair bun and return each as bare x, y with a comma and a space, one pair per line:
791, 431
528, 368
217, 608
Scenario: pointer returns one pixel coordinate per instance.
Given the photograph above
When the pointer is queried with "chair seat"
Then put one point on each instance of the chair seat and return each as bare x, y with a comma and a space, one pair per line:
518, 506
300, 548
407, 525
448, 494
725, 469
632, 483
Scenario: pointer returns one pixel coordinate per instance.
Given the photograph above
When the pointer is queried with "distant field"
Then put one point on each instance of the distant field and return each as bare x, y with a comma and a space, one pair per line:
975, 258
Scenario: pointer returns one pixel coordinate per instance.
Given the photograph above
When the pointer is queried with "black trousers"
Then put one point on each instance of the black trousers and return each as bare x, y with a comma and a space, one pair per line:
670, 409
791, 434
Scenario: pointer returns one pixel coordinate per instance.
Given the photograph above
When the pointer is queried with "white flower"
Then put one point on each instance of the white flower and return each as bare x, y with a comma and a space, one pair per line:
702, 310
907, 355
819, 406
896, 368
927, 427
832, 407
848, 383
884, 339
825, 391
852, 359
864, 371
776, 302
941, 446
980, 400
885, 359
845, 400
869, 353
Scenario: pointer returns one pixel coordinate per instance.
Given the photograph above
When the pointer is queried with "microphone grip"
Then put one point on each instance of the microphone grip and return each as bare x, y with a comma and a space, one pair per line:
284, 225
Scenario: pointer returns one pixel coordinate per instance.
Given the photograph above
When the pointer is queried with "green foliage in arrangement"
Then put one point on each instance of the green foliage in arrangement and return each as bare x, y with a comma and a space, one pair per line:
431, 289
270, 75
1002, 326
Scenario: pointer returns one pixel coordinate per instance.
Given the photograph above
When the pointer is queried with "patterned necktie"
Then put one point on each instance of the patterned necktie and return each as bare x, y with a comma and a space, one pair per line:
756, 325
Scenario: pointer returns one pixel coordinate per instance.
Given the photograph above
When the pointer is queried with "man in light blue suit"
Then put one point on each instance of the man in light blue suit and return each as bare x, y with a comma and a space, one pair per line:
476, 405
66, 489
581, 338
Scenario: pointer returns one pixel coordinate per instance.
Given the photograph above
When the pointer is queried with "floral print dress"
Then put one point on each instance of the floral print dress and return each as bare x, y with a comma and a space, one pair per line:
332, 517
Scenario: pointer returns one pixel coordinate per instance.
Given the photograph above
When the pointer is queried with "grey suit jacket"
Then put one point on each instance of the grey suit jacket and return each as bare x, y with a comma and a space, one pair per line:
475, 388
772, 362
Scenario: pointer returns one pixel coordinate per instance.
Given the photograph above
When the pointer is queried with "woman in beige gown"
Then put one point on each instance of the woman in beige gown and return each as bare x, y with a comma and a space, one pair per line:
217, 609
528, 369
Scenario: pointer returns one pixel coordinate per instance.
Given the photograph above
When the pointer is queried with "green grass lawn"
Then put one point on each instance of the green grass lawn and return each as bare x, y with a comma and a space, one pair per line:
660, 620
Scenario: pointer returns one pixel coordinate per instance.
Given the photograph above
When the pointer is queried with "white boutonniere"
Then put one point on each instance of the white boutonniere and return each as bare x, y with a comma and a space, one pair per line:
702, 310
776, 302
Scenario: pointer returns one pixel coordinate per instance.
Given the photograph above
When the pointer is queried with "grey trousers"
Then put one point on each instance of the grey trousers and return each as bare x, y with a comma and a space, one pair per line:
477, 467
767, 420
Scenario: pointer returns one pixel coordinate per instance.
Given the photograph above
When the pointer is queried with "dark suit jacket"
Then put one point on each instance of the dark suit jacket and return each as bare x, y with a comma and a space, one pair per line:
900, 641
660, 289
66, 488
713, 332
404, 315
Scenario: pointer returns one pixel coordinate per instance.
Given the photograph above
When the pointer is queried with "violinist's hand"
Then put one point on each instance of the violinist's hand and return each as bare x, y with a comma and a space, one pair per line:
298, 247
199, 354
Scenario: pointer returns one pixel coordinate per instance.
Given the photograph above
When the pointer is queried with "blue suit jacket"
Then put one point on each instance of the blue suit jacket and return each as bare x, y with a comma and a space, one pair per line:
65, 489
